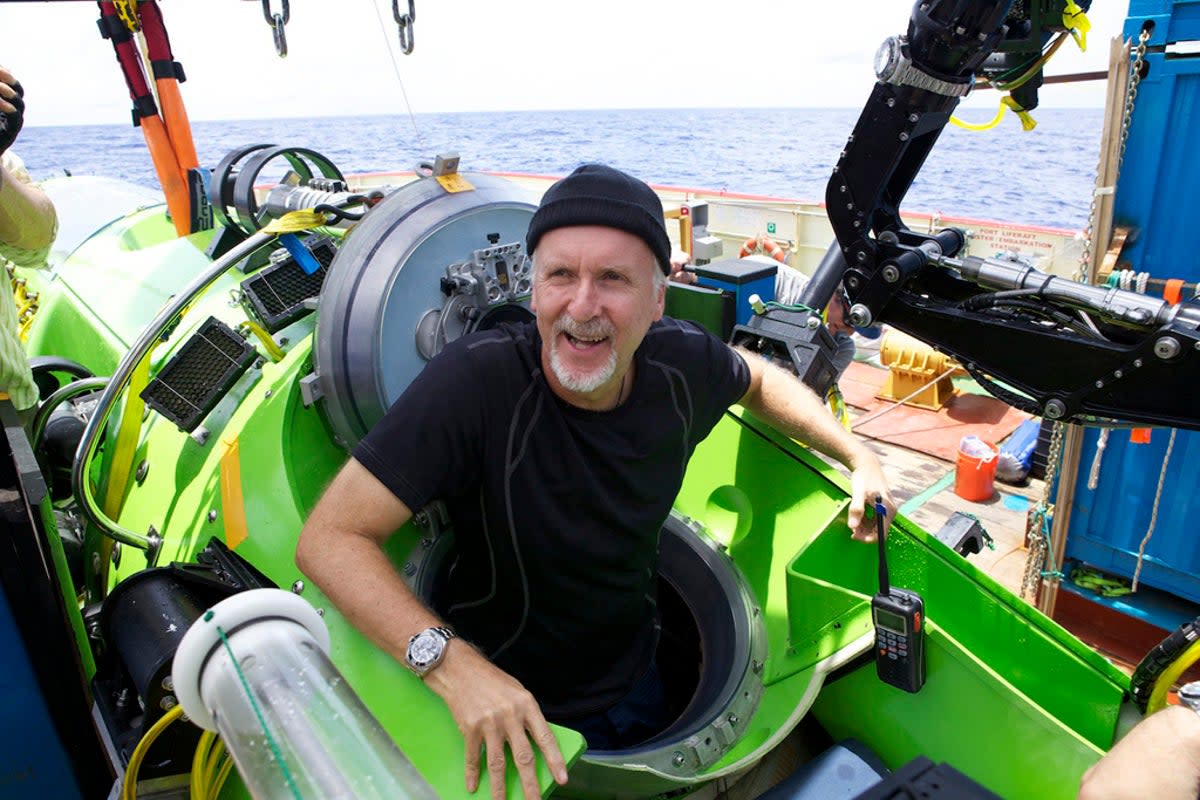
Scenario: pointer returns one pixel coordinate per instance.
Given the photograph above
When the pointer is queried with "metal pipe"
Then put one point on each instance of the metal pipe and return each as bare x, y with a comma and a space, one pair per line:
1118, 305
151, 335
37, 428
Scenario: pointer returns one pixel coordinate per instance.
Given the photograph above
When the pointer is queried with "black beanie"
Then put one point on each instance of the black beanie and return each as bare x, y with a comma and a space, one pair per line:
598, 195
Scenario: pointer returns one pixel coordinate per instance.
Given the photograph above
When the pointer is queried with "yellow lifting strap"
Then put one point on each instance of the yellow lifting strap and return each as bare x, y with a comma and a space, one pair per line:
296, 221
1027, 121
127, 439
1076, 21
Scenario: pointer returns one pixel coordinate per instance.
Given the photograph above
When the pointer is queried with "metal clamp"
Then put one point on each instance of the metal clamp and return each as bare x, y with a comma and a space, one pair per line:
404, 23
893, 65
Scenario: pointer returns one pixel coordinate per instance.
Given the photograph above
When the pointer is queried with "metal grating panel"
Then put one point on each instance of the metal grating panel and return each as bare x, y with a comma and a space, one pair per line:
199, 375
276, 295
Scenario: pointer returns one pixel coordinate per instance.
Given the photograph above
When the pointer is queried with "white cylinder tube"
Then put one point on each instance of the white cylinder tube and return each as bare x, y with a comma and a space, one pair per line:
254, 668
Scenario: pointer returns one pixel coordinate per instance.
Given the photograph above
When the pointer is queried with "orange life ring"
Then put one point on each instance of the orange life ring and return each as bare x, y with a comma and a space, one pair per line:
765, 244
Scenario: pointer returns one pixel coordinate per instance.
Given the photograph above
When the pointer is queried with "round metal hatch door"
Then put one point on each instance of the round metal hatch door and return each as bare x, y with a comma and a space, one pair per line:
387, 276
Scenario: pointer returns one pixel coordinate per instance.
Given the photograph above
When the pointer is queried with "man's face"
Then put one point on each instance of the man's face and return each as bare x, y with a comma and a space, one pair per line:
595, 295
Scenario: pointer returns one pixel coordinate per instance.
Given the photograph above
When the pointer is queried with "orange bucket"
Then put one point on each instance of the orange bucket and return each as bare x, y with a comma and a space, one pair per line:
974, 478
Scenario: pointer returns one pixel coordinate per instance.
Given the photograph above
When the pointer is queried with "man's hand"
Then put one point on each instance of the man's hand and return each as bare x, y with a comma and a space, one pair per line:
793, 408
867, 483
492, 710
679, 260
1159, 758
12, 109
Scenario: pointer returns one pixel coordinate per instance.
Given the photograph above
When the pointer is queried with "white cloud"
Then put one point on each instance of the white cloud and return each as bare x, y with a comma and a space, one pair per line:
487, 55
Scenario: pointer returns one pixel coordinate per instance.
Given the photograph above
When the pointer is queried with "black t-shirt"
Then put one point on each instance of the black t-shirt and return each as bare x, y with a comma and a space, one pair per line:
556, 509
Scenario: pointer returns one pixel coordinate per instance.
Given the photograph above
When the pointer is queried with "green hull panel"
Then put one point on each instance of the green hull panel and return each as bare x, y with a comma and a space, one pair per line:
1012, 699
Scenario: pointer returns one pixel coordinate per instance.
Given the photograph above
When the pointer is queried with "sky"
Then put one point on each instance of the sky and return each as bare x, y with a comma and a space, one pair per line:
490, 55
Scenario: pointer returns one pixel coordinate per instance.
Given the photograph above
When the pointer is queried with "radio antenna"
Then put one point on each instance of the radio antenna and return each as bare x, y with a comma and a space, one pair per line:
880, 516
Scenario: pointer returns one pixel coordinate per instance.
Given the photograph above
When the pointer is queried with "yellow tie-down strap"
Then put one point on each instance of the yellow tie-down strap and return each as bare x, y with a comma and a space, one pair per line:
233, 504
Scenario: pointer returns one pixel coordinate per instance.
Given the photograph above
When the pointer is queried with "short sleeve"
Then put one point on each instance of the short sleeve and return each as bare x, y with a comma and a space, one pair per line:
428, 443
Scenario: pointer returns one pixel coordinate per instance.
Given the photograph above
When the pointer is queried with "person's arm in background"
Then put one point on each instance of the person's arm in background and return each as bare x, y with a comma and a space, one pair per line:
795, 410
679, 260
27, 217
341, 550
1159, 759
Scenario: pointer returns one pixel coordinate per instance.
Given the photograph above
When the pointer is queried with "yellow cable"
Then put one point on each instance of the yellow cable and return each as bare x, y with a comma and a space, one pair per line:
1027, 121
1164, 682
198, 789
273, 349
129, 784
210, 768
295, 222
981, 126
215, 792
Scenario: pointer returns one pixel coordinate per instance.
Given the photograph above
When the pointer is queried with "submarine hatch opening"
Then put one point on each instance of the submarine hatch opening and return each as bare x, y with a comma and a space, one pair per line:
711, 638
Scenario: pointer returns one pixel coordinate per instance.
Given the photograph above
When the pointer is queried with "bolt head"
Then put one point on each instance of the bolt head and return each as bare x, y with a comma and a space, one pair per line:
297, 587
1166, 347
903, 136
677, 758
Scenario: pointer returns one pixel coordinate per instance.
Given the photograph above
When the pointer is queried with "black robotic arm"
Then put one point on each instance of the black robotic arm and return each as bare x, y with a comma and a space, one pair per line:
1045, 344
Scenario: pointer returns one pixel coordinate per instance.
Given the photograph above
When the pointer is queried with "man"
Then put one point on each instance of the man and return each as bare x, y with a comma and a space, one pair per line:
1159, 758
28, 224
558, 448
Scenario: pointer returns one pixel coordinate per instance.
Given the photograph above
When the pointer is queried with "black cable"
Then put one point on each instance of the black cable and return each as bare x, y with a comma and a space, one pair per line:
1048, 313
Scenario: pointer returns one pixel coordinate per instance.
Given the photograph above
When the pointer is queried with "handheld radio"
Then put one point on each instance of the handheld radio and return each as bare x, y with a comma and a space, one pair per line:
899, 617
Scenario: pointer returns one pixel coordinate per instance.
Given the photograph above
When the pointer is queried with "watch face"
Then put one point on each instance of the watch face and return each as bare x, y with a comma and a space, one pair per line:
426, 647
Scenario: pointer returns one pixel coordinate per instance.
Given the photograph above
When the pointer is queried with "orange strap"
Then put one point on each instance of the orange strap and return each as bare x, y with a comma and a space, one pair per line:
1139, 435
166, 166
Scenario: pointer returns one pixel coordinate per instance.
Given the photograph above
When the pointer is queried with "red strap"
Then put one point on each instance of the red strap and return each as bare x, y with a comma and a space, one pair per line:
157, 42
1173, 291
131, 66
1140, 435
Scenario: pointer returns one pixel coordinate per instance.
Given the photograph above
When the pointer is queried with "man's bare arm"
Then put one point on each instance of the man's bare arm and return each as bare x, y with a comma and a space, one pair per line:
341, 550
778, 397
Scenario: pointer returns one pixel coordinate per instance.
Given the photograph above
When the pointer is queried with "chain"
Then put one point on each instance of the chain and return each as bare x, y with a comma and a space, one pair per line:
1037, 537
1135, 78
277, 23
1037, 562
405, 24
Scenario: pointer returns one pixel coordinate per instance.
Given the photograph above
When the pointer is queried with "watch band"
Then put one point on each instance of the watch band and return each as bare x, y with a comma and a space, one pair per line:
446, 632
422, 667
1189, 695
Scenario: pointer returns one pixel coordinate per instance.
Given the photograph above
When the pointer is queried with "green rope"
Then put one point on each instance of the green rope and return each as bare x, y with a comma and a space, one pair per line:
258, 713
791, 307
1051, 571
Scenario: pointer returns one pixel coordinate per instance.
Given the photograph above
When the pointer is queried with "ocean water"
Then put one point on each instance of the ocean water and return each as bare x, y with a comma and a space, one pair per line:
1042, 177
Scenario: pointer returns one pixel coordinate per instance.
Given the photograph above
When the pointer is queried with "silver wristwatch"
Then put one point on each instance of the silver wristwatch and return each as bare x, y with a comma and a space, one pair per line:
892, 65
427, 649
1189, 695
